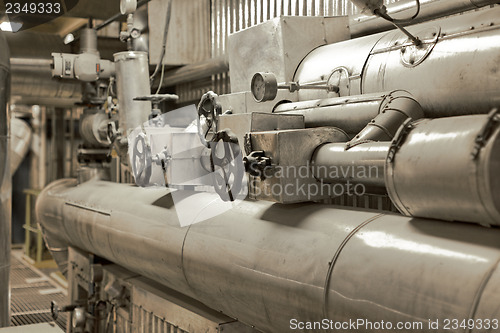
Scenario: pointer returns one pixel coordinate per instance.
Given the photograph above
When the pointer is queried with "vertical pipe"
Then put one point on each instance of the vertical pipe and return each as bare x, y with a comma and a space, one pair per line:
132, 80
5, 184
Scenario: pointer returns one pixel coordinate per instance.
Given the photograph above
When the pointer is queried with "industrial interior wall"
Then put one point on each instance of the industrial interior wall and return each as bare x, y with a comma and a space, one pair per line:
230, 16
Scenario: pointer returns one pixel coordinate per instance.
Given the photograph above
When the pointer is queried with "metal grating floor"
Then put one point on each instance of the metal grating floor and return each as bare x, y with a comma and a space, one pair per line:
31, 293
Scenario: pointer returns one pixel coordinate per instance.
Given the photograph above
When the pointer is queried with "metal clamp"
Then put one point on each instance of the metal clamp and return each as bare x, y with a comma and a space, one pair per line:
486, 132
400, 136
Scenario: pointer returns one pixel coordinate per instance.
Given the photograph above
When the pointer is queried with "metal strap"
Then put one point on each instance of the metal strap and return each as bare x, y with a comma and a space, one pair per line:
332, 263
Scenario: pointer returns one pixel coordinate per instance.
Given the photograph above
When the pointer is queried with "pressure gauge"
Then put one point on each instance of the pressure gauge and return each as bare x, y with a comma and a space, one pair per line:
128, 6
264, 87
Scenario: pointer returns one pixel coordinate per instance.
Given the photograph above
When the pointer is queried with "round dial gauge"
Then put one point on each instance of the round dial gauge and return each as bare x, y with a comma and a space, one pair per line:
264, 87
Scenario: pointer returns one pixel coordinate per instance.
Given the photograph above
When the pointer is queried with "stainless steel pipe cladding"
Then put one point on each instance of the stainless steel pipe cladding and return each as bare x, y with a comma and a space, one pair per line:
132, 80
269, 264
447, 169
5, 184
361, 164
396, 108
455, 72
351, 113
364, 24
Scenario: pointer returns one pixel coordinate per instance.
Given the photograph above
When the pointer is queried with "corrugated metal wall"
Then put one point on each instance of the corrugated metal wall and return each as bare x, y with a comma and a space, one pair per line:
228, 16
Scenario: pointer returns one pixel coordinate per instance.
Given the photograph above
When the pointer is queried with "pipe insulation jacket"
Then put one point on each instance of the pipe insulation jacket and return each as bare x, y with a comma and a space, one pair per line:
454, 72
445, 168
300, 261
364, 24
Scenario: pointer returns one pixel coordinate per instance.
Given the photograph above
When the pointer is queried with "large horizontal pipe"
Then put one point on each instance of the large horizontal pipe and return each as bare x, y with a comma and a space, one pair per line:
457, 75
32, 83
270, 265
363, 24
31, 65
195, 71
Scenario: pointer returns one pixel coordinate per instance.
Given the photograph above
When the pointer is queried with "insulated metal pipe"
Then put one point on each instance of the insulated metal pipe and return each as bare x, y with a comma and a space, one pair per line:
361, 164
444, 168
5, 184
363, 24
286, 263
447, 169
454, 72
351, 113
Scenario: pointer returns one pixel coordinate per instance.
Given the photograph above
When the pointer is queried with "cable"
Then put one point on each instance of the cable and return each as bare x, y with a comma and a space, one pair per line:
383, 14
165, 33
161, 78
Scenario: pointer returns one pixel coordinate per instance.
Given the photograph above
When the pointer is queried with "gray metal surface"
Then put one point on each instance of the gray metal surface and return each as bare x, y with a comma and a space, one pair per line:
132, 80
362, 164
188, 38
350, 113
304, 261
435, 172
290, 153
32, 84
364, 24
5, 182
458, 76
272, 46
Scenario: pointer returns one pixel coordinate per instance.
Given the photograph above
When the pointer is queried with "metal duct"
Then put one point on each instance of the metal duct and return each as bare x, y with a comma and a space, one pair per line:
5, 184
303, 261
32, 83
362, 24
447, 169
424, 172
454, 73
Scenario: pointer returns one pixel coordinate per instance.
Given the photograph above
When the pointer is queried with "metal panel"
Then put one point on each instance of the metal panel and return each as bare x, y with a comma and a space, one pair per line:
188, 38
273, 47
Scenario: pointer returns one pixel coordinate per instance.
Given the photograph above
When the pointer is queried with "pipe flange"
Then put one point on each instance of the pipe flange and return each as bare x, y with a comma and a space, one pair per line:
413, 55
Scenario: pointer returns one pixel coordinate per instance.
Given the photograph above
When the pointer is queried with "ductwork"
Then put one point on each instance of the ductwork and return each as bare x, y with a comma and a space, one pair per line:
302, 262
449, 75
